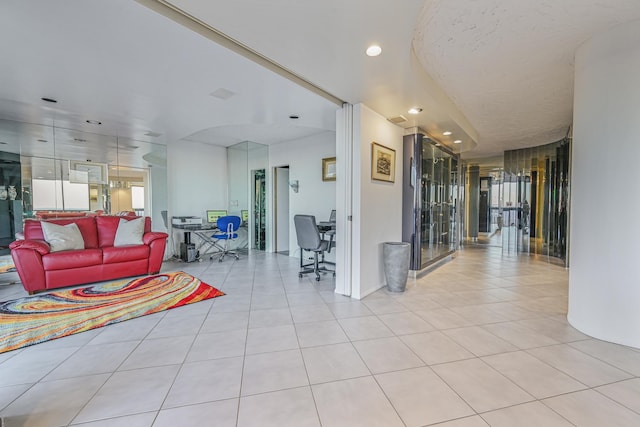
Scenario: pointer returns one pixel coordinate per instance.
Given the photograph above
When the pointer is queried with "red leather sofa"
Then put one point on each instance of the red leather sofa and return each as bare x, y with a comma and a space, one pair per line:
39, 269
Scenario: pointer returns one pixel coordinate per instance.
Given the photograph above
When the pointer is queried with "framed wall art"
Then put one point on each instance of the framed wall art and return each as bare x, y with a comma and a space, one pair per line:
383, 163
88, 172
329, 169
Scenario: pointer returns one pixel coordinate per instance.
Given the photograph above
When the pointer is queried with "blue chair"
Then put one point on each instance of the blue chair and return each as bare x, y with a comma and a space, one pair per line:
227, 232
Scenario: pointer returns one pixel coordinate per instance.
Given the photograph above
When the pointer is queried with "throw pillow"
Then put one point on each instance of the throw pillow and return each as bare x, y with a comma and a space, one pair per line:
62, 237
129, 232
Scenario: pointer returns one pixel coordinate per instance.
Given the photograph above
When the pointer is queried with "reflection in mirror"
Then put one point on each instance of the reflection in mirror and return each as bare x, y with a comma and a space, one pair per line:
526, 194
439, 198
238, 178
246, 168
67, 172
536, 200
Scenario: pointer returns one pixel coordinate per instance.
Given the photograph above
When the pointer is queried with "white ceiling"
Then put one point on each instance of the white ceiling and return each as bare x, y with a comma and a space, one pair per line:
509, 64
498, 74
136, 72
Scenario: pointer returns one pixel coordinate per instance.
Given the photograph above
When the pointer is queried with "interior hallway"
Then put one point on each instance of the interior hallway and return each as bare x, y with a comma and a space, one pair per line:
481, 341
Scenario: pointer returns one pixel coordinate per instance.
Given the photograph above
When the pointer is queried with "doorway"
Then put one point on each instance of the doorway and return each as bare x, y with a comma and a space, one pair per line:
281, 209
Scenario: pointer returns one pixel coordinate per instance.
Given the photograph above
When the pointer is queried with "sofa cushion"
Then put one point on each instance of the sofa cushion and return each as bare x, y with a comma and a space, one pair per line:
111, 255
108, 225
62, 237
87, 226
72, 259
129, 232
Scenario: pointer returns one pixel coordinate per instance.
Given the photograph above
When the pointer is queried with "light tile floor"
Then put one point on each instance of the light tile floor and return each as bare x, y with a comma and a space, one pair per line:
481, 341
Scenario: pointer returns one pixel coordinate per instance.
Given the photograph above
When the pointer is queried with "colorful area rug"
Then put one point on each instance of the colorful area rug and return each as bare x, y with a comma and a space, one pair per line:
6, 264
35, 319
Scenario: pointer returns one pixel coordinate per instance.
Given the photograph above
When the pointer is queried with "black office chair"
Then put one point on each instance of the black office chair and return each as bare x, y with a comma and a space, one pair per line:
309, 240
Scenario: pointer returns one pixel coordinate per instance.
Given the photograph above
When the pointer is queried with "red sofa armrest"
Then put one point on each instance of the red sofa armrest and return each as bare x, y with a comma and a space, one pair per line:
157, 244
27, 256
147, 238
37, 245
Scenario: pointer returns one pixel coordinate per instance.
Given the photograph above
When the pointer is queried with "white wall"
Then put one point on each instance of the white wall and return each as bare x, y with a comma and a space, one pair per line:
377, 206
282, 219
604, 284
196, 180
315, 197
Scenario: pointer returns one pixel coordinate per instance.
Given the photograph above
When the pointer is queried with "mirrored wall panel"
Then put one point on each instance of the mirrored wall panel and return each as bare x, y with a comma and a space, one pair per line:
247, 164
535, 200
523, 202
51, 172
430, 200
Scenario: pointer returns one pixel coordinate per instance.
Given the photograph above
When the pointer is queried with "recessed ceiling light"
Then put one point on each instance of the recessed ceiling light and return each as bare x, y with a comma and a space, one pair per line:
437, 144
446, 133
294, 117
93, 122
415, 110
49, 100
457, 141
374, 50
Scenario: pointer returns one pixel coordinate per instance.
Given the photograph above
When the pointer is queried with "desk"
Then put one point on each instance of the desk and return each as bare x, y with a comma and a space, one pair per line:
327, 228
203, 232
206, 244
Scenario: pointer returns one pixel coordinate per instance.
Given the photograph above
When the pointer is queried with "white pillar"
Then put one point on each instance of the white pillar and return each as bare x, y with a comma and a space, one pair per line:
604, 283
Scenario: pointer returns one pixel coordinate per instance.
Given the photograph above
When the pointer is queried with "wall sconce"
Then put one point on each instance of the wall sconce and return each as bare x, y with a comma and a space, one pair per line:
294, 185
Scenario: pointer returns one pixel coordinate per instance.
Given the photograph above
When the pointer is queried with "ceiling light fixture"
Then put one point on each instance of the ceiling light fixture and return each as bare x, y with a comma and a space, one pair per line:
93, 122
49, 100
415, 110
457, 141
374, 50
446, 133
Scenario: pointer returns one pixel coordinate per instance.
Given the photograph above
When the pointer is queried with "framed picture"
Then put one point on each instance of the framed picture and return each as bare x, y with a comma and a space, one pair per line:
329, 169
383, 163
88, 172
